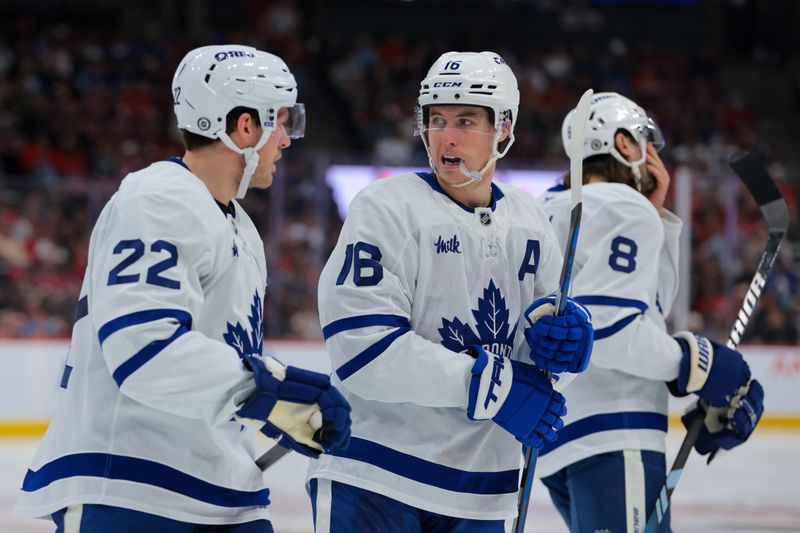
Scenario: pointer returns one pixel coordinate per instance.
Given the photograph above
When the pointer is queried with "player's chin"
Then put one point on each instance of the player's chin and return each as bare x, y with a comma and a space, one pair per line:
262, 182
450, 174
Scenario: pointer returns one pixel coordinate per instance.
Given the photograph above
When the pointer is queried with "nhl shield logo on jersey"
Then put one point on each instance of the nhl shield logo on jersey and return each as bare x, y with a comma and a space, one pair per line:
248, 341
491, 321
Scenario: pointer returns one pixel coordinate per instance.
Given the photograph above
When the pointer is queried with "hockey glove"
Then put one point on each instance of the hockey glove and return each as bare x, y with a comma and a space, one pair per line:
711, 370
559, 343
729, 426
298, 406
516, 396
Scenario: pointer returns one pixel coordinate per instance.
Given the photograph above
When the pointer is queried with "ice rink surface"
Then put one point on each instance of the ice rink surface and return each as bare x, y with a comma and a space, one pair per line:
754, 489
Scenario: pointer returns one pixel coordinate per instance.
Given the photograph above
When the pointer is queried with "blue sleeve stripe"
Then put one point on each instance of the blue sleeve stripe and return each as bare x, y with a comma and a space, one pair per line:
142, 317
602, 333
596, 299
430, 473
364, 358
141, 357
153, 348
364, 321
606, 422
103, 465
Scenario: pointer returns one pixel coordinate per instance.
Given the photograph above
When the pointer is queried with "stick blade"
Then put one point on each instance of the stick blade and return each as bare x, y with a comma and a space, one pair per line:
751, 170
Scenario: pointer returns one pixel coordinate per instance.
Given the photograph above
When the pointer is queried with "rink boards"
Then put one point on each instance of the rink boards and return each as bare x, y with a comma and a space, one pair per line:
32, 371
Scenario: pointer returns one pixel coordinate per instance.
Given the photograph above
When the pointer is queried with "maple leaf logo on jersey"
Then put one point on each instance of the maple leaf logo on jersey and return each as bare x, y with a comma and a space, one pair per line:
491, 320
248, 340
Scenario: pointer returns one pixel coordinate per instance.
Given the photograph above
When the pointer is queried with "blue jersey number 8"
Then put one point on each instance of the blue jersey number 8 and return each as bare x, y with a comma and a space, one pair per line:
623, 255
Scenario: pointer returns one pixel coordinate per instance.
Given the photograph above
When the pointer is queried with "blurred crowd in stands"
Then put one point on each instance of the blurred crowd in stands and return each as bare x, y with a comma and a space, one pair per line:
81, 106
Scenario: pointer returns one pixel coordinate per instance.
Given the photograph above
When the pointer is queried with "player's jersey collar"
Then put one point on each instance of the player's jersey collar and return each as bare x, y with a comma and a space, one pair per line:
430, 179
226, 209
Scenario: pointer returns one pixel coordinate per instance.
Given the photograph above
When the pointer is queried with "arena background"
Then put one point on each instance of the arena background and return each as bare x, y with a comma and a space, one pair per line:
85, 99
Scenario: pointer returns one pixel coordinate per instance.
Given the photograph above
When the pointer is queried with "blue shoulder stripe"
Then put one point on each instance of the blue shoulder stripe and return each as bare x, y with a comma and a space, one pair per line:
364, 358
606, 422
136, 470
364, 321
613, 301
430, 473
153, 348
602, 333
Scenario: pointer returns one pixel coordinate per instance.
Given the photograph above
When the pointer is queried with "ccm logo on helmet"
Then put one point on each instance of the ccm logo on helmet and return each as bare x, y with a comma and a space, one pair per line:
222, 56
447, 84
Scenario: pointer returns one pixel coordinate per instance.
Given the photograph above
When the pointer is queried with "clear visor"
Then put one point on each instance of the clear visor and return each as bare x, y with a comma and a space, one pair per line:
651, 134
469, 122
295, 123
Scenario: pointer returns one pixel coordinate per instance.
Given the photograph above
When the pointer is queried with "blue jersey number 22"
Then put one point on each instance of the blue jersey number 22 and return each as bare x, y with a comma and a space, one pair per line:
154, 277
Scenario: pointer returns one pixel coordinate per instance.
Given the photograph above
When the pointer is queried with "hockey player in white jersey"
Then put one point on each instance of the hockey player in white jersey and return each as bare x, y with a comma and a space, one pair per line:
166, 398
606, 468
422, 304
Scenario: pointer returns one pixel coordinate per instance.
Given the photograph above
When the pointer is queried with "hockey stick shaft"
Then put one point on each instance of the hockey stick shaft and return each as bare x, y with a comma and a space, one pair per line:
272, 456
763, 189
576, 182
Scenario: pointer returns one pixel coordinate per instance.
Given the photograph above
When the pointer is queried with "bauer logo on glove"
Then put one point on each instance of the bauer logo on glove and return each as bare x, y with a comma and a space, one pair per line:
516, 396
560, 343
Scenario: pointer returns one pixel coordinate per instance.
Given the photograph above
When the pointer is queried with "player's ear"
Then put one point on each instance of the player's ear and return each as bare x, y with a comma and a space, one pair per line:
506, 130
247, 128
245, 123
625, 146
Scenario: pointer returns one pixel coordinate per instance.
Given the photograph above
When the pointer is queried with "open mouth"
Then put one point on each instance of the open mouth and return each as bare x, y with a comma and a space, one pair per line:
451, 161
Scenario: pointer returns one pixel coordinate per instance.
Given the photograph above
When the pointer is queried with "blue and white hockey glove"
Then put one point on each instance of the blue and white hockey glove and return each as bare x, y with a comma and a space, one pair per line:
516, 396
559, 343
711, 370
300, 407
729, 426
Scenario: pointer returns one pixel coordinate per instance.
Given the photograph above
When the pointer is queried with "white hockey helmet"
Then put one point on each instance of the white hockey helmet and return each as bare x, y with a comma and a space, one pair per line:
475, 79
213, 80
608, 113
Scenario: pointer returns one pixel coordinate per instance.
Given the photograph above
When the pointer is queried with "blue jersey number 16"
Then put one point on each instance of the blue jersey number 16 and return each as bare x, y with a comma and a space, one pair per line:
370, 260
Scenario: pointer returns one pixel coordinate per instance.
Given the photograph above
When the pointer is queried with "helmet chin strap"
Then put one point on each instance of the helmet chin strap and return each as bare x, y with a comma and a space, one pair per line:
251, 159
633, 165
472, 176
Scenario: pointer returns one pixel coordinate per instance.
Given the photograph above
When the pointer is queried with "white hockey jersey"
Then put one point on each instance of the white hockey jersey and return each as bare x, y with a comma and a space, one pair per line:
626, 273
171, 298
413, 281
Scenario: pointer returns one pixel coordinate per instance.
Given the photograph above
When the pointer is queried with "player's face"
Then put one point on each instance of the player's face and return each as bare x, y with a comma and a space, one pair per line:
459, 133
271, 152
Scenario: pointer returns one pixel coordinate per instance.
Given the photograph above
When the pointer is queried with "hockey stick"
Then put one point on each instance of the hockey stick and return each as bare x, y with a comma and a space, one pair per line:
272, 456
576, 182
773, 208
